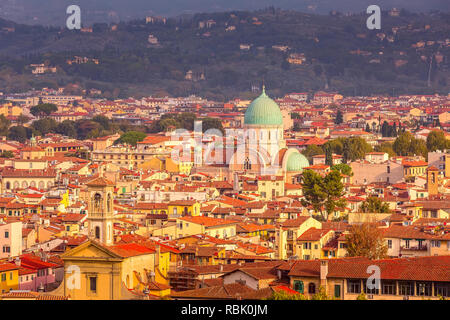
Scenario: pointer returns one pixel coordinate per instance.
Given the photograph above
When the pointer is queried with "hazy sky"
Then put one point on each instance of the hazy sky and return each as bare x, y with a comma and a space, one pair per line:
53, 11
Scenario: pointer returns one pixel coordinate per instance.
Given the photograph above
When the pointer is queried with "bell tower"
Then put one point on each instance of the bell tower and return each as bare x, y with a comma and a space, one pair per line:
100, 210
432, 181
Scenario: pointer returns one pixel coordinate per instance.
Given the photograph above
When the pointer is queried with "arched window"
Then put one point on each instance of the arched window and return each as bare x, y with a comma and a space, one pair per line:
8, 185
41, 185
32, 184
312, 288
16, 184
247, 164
109, 202
97, 202
97, 232
24, 184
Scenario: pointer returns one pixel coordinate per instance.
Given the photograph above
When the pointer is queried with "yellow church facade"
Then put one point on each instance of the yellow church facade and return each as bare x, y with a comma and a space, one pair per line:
101, 269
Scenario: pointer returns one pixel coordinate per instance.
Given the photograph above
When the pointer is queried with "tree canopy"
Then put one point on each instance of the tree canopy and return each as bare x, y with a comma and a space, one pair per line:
436, 141
374, 205
131, 137
343, 168
44, 109
366, 240
323, 194
407, 145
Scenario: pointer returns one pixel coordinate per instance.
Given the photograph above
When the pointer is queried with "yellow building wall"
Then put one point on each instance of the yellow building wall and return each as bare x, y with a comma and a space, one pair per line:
11, 280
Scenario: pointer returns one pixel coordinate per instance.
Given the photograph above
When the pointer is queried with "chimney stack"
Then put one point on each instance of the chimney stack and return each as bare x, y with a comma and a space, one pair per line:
323, 272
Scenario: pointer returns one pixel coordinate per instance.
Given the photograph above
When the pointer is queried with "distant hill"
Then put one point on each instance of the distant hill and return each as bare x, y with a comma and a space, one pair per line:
51, 12
232, 53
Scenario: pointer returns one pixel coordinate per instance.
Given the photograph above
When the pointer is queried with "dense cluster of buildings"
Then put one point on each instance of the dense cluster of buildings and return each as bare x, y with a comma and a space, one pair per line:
188, 215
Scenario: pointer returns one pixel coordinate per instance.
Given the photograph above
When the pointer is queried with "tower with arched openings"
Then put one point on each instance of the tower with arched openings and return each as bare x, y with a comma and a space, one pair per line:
100, 210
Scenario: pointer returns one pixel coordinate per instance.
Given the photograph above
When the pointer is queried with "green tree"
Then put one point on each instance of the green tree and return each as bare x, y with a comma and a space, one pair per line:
166, 124
323, 194
312, 150
385, 147
334, 190
22, 119
212, 123
67, 128
328, 156
295, 115
374, 205
44, 126
402, 144
407, 145
18, 133
103, 121
346, 151
336, 145
355, 148
7, 154
436, 141
339, 117
418, 147
321, 294
361, 296
84, 128
4, 125
281, 295
44, 109
131, 137
366, 240
343, 168
313, 190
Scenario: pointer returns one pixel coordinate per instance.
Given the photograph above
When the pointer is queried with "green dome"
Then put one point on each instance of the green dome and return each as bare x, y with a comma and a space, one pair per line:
263, 111
296, 162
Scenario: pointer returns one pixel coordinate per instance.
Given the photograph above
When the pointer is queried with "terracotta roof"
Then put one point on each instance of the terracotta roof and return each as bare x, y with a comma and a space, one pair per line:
261, 273
8, 266
228, 291
32, 295
294, 222
419, 268
100, 182
313, 234
130, 250
207, 221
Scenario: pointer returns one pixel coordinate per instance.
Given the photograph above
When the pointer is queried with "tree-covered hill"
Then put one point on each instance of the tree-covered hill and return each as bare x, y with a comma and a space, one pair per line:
340, 54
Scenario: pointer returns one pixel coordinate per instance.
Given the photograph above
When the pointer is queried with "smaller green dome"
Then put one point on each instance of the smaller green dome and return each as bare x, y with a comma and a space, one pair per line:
296, 162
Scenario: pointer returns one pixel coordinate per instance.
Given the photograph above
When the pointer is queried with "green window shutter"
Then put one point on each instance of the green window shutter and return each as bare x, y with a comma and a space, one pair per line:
337, 290
298, 286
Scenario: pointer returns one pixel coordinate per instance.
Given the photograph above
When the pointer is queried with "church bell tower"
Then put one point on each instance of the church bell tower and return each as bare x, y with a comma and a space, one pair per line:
100, 210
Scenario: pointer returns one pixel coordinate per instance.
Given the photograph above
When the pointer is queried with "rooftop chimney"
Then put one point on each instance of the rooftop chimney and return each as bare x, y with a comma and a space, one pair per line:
323, 272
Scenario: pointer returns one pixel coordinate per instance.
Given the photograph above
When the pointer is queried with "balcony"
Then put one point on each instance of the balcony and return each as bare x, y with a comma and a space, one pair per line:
414, 248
